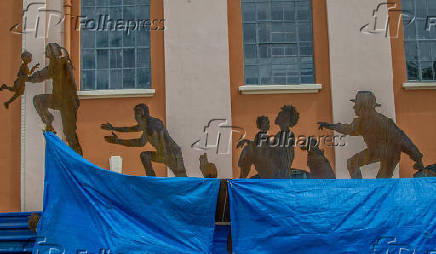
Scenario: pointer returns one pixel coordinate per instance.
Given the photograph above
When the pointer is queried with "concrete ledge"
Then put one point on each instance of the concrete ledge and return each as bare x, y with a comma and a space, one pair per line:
115, 93
280, 89
419, 86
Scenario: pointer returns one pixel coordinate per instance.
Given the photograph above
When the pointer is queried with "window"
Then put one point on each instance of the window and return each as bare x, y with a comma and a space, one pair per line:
278, 46
420, 39
115, 44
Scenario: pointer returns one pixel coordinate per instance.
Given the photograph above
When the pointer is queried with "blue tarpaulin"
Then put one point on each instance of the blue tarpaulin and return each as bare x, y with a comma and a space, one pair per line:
220, 239
91, 210
333, 216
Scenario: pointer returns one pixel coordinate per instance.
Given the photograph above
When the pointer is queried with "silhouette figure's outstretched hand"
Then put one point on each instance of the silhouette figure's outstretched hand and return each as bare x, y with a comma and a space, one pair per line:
323, 125
112, 139
107, 126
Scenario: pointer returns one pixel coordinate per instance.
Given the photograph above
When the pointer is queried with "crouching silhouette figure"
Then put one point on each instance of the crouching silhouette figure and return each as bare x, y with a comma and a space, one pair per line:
384, 139
153, 131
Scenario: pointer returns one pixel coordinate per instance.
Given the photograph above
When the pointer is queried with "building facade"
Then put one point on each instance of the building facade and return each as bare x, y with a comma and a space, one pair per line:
208, 69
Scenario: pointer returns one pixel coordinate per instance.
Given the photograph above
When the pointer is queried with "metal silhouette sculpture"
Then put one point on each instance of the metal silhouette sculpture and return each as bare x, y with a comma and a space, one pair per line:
222, 212
385, 141
429, 171
64, 96
22, 77
33, 221
153, 131
207, 168
251, 149
318, 164
271, 156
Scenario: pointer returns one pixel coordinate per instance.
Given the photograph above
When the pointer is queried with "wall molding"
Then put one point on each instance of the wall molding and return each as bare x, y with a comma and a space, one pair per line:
419, 85
280, 89
115, 93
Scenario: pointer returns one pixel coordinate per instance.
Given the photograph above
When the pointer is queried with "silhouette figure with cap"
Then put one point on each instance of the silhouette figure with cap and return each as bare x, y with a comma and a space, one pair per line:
385, 141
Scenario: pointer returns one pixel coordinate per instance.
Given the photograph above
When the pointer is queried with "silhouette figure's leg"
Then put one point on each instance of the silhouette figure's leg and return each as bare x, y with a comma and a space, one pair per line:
69, 119
387, 165
245, 161
146, 158
179, 167
410, 149
358, 160
13, 98
42, 103
174, 161
4, 86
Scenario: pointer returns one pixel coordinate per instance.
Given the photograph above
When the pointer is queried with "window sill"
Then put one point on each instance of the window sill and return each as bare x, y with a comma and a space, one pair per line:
280, 89
419, 85
115, 93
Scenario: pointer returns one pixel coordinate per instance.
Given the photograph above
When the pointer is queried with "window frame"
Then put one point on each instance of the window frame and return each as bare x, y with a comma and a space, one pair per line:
419, 82
146, 91
273, 87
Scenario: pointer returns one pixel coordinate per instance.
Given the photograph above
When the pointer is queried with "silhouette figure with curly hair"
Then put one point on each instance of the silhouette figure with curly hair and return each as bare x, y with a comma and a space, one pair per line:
272, 156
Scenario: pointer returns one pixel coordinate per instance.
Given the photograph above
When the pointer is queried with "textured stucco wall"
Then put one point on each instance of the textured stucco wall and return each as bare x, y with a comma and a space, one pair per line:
358, 61
197, 76
10, 131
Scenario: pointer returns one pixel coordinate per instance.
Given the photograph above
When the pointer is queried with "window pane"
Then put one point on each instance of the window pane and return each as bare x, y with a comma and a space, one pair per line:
129, 78
101, 2
116, 79
142, 57
85, 3
144, 78
102, 39
116, 58
115, 39
427, 70
87, 39
88, 80
88, 59
303, 11
143, 37
129, 58
251, 75
249, 12
102, 59
412, 71
103, 79
250, 33
278, 47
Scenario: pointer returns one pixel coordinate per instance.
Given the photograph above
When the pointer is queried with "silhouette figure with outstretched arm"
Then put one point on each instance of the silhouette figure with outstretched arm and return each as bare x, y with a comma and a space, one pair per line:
384, 139
153, 131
